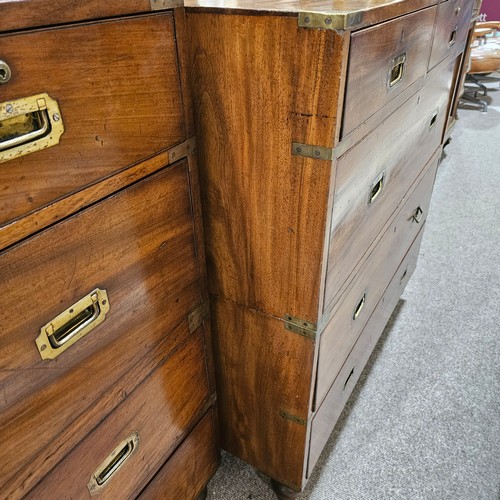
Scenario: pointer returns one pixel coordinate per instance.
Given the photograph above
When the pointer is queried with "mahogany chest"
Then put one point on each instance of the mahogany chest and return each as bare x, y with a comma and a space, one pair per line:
106, 377
320, 126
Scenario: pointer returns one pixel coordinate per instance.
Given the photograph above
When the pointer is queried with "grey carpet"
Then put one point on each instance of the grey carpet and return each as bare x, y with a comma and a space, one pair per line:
424, 420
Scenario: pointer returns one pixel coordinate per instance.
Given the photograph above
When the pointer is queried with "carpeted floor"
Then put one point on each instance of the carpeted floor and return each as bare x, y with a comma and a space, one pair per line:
424, 420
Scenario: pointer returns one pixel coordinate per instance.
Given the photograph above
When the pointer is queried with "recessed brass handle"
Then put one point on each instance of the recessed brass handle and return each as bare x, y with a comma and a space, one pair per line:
5, 72
453, 37
24, 129
397, 69
348, 378
29, 124
114, 461
72, 324
433, 119
359, 307
376, 188
417, 215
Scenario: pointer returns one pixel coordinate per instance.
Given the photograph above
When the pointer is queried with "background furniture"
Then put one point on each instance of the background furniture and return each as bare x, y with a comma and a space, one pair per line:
319, 136
105, 373
484, 59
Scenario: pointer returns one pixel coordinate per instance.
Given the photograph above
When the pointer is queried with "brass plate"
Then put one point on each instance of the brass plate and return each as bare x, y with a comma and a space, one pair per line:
338, 21
18, 115
72, 324
309, 151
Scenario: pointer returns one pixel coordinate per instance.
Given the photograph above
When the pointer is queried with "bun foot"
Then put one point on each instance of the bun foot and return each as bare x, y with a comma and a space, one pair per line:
282, 491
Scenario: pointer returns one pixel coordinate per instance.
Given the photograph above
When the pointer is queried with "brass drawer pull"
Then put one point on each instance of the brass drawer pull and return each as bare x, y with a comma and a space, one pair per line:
397, 70
359, 307
5, 72
433, 119
29, 124
72, 324
417, 215
37, 125
453, 37
348, 378
113, 463
376, 188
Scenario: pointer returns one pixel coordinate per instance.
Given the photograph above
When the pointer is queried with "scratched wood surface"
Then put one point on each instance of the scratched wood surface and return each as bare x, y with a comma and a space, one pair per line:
144, 256
118, 89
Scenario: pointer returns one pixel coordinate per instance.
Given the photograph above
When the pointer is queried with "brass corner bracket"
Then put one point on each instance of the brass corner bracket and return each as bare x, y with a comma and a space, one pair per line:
338, 21
300, 326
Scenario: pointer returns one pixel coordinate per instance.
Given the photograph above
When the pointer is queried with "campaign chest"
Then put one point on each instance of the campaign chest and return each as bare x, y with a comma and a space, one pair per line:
320, 126
106, 377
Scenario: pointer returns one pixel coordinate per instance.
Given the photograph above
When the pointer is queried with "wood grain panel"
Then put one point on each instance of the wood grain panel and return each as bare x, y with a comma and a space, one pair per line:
143, 254
329, 412
398, 149
367, 12
55, 450
371, 58
161, 410
262, 370
22, 14
264, 209
186, 474
370, 283
118, 89
452, 26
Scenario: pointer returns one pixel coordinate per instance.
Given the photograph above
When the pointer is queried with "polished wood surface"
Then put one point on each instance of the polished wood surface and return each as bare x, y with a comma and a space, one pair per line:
371, 59
143, 255
254, 394
186, 474
370, 282
452, 26
263, 207
21, 14
418, 127
368, 11
118, 89
325, 419
161, 410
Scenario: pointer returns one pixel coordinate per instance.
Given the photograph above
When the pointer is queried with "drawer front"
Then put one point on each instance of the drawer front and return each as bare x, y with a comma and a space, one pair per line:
372, 178
141, 433
138, 245
366, 289
186, 474
452, 26
117, 87
385, 60
325, 419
